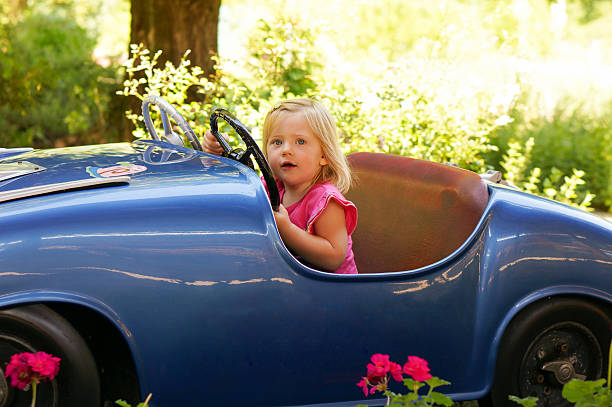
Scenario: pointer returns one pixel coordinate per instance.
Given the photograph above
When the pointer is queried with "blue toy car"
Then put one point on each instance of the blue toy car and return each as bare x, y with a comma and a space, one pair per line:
151, 267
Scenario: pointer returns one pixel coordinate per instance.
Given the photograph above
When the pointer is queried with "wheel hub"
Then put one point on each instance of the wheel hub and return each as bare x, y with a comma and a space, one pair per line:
564, 371
564, 352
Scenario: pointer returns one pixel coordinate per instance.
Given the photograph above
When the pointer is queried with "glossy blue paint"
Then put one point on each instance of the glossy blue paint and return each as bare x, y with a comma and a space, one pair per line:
187, 264
10, 152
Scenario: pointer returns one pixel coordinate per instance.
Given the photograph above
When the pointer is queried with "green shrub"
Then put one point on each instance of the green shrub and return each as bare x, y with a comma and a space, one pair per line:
415, 112
382, 116
570, 139
52, 91
173, 83
555, 186
407, 108
282, 54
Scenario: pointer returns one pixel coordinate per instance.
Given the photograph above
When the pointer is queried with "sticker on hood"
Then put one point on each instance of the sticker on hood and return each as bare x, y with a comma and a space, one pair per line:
115, 170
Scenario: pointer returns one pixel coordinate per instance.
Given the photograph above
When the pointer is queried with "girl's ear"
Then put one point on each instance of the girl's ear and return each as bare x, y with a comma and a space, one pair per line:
323, 161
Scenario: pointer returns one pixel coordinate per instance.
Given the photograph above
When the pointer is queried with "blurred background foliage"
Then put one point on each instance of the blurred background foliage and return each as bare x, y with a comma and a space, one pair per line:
522, 86
53, 92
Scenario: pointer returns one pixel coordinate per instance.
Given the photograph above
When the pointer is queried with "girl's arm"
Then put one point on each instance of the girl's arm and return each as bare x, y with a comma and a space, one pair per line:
327, 248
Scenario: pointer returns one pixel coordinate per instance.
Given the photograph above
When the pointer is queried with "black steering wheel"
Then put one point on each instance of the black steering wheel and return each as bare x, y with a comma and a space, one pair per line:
170, 136
244, 156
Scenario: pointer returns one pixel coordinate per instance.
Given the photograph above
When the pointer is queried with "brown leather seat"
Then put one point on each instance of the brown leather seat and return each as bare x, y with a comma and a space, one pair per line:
412, 212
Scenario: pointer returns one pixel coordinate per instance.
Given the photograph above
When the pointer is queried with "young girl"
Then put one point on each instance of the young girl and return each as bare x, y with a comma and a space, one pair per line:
314, 220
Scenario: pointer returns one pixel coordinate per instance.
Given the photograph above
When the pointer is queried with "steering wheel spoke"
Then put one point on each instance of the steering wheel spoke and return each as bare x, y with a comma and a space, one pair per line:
166, 109
252, 149
245, 158
165, 123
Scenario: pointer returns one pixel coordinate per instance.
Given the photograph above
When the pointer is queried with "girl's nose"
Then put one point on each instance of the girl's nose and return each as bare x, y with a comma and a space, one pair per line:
286, 148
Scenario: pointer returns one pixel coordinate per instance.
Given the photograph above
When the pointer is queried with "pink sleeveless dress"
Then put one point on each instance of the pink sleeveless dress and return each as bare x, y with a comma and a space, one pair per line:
305, 212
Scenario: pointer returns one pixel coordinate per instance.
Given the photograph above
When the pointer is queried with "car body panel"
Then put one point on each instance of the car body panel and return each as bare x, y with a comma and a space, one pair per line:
188, 265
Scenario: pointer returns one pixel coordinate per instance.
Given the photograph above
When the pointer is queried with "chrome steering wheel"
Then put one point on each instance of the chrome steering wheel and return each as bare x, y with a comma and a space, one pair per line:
169, 136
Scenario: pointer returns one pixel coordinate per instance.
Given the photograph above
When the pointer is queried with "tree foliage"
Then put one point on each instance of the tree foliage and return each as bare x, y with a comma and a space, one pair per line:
408, 110
52, 91
465, 82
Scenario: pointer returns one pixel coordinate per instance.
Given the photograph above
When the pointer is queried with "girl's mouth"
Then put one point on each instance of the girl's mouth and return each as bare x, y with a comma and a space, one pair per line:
288, 165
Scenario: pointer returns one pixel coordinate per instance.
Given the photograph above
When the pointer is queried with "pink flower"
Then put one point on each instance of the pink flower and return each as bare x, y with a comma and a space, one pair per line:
47, 366
19, 371
379, 367
364, 385
417, 368
25, 368
396, 371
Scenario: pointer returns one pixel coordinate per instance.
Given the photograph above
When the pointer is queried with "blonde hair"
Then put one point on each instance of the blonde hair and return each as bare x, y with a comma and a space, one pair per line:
323, 125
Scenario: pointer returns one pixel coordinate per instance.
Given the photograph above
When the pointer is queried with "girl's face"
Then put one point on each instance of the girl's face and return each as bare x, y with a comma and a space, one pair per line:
294, 152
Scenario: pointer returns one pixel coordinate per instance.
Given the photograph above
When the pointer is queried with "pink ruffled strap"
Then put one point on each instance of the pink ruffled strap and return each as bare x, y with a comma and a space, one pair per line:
327, 193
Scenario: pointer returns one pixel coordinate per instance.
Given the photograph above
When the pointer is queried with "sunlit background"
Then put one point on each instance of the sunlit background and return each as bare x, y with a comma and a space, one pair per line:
522, 86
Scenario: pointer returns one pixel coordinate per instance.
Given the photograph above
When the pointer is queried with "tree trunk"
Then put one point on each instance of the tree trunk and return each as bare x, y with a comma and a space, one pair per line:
175, 26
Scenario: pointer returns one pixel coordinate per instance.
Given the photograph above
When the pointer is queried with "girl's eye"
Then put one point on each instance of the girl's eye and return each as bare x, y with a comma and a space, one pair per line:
301, 141
277, 142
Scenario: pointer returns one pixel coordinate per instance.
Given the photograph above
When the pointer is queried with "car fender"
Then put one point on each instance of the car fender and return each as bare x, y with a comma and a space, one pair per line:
514, 236
93, 304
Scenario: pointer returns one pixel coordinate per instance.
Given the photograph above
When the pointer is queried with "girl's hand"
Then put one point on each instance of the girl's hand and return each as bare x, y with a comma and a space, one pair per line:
282, 219
210, 144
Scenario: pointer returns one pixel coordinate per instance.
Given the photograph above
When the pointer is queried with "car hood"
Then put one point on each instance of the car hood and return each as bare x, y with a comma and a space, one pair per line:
141, 164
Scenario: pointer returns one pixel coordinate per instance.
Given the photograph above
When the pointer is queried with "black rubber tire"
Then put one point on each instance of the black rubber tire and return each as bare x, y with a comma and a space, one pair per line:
538, 335
34, 328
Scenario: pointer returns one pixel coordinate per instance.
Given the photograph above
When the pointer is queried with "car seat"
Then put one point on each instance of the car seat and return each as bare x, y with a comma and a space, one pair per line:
412, 212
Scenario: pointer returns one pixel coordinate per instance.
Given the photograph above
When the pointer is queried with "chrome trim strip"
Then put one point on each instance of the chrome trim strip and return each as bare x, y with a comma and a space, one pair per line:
17, 169
59, 187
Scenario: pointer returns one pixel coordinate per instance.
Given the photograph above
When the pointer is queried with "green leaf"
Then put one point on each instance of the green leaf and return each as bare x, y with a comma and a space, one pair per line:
122, 403
406, 398
411, 384
436, 382
577, 390
440, 398
550, 192
526, 402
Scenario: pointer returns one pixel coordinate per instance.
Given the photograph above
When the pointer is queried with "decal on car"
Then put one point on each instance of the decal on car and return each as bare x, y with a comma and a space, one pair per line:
115, 170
